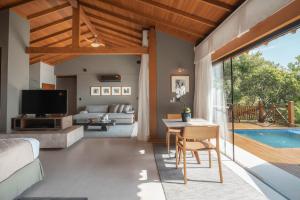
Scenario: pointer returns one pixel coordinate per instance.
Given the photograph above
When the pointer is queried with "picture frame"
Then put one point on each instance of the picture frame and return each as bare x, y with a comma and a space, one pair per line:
126, 91
179, 81
116, 91
95, 90
105, 91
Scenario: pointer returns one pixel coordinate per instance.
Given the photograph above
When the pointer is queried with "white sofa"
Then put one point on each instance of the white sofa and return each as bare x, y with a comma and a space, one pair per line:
121, 116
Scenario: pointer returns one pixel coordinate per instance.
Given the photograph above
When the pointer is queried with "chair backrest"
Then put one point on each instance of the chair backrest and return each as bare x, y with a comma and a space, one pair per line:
173, 116
201, 132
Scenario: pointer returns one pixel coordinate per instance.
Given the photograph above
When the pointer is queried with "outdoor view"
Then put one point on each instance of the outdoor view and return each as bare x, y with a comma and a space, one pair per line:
262, 93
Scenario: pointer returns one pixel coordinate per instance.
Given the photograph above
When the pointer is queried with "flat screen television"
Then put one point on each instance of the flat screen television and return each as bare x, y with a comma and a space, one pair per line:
42, 102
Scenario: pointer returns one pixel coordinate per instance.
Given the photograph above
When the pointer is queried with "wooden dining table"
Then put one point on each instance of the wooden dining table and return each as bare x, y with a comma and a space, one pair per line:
178, 123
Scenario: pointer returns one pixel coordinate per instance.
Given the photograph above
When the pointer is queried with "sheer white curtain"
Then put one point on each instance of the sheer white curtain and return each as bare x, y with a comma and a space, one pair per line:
203, 88
143, 102
219, 111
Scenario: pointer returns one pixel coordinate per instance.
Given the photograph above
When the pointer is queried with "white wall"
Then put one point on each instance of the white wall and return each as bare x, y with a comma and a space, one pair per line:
14, 38
41, 73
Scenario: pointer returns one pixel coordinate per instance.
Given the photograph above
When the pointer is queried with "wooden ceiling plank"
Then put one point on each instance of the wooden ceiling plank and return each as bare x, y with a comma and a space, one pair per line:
52, 35
181, 13
136, 30
117, 31
88, 50
101, 10
151, 18
120, 37
218, 4
67, 39
69, 45
16, 4
43, 27
139, 22
48, 11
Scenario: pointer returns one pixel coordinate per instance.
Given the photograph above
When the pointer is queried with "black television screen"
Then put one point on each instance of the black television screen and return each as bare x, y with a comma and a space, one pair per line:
43, 102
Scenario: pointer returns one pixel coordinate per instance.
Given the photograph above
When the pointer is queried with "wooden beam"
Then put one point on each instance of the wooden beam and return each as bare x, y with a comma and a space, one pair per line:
218, 4
48, 11
75, 27
280, 19
87, 50
153, 81
16, 4
136, 30
43, 27
90, 26
73, 3
181, 13
134, 37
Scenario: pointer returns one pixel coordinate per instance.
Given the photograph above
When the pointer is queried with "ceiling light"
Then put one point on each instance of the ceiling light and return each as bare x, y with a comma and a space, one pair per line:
96, 43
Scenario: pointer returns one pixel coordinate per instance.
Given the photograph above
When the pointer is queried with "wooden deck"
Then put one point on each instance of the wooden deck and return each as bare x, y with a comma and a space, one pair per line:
287, 159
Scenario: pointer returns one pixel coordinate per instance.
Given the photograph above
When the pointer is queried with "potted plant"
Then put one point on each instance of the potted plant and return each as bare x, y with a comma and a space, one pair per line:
186, 115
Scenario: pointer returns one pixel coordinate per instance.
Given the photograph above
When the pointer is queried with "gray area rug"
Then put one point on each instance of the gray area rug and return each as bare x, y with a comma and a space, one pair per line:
50, 198
203, 181
119, 130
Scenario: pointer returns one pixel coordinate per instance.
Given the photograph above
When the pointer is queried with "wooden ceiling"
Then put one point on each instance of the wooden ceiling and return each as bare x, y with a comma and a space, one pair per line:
119, 23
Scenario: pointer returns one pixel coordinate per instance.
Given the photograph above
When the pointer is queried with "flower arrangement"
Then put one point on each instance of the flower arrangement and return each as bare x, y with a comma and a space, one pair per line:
180, 92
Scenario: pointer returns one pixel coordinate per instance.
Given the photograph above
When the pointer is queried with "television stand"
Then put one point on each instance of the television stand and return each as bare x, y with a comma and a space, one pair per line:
41, 123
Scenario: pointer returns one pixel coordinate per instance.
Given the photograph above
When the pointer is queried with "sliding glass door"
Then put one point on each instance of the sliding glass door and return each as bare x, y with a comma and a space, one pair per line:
261, 108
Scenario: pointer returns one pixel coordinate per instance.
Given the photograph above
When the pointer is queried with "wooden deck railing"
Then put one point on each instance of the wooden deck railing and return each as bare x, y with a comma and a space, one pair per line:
275, 113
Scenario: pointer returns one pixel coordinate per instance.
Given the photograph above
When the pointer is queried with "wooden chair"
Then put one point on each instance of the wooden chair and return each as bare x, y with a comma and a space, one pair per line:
172, 131
197, 138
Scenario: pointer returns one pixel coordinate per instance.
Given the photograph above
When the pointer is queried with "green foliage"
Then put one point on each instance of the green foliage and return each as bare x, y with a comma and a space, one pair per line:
257, 79
187, 110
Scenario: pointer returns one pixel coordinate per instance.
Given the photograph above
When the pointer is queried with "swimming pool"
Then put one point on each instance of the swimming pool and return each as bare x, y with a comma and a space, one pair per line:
277, 138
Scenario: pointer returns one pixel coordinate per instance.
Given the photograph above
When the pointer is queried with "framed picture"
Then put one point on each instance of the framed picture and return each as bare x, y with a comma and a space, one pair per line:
180, 82
105, 91
116, 91
126, 91
95, 91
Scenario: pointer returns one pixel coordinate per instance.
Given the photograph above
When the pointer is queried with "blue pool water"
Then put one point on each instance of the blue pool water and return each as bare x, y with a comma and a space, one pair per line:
277, 138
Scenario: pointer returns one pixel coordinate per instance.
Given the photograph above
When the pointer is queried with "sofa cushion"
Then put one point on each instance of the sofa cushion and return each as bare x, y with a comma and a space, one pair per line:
97, 108
113, 108
121, 107
127, 108
87, 116
120, 116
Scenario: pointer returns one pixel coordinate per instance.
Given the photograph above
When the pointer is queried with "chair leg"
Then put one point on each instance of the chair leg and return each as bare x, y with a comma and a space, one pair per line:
168, 141
209, 156
176, 154
193, 155
220, 166
184, 166
179, 158
197, 157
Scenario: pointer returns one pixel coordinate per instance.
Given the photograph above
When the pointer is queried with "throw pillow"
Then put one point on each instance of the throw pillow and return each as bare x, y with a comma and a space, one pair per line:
127, 108
121, 107
111, 108
114, 108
